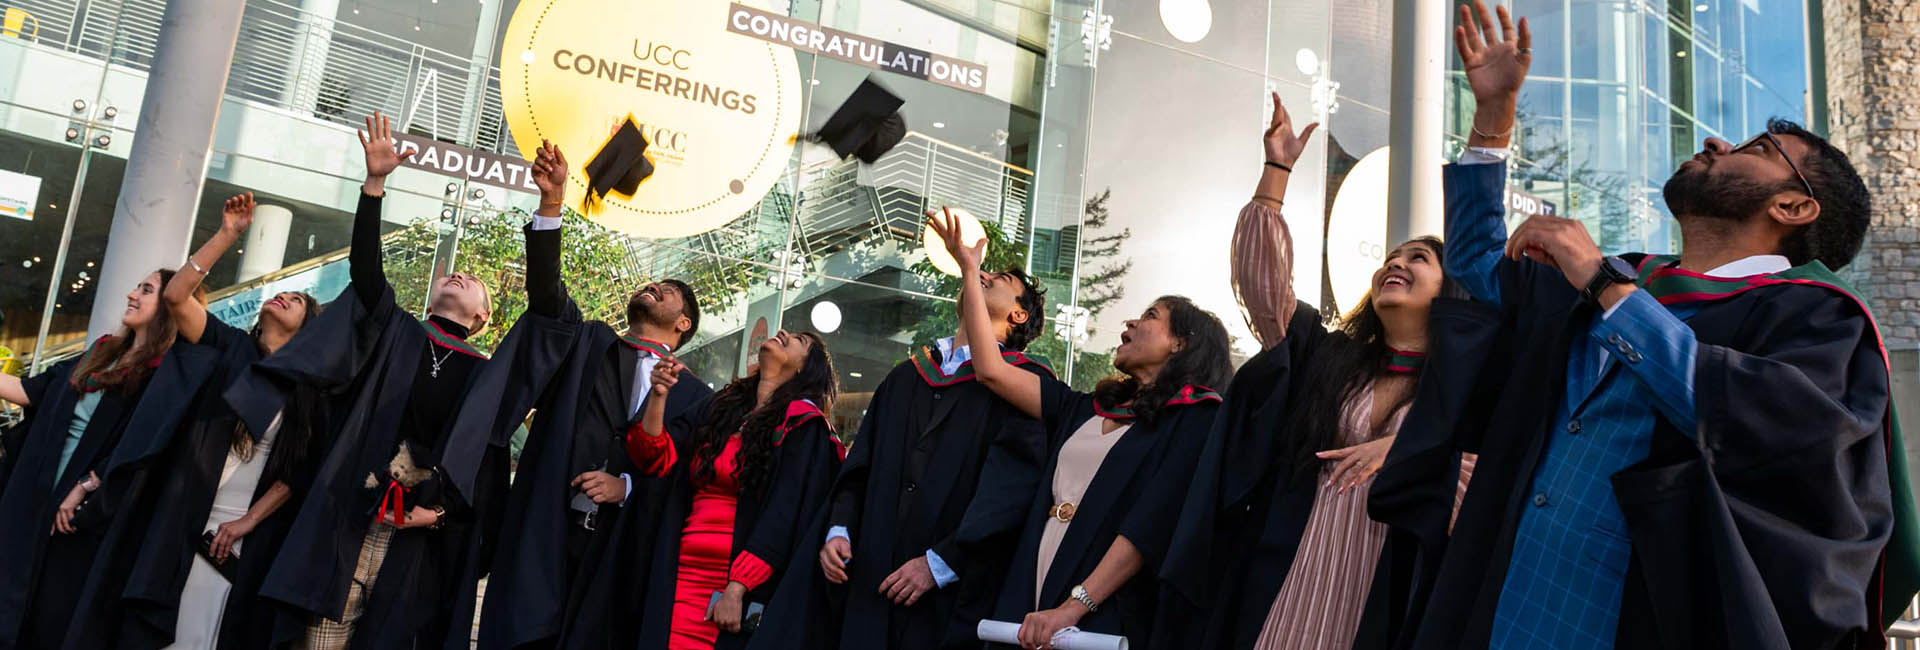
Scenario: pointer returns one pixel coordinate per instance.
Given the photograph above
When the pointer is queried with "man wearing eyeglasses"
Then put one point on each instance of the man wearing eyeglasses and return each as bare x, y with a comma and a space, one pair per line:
1680, 451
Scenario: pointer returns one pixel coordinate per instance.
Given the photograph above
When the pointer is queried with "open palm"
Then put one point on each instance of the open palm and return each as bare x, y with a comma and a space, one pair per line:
1496, 64
377, 141
1283, 146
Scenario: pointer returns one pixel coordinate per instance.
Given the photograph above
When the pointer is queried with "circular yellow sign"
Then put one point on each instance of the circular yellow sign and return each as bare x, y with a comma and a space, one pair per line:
720, 111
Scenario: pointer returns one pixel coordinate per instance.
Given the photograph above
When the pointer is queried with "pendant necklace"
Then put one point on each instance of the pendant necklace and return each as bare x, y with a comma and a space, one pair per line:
437, 360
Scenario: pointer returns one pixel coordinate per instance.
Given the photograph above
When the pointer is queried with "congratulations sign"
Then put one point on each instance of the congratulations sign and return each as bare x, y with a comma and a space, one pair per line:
853, 48
721, 111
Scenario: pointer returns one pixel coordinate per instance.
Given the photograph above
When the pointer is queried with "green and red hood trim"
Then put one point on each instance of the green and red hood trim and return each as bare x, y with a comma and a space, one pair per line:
1189, 394
929, 367
801, 412
658, 349
1900, 563
441, 338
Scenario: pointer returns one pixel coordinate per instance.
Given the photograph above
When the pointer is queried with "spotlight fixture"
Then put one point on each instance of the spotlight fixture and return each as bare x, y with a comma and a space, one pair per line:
72, 134
477, 194
110, 112
102, 140
453, 188
446, 214
79, 105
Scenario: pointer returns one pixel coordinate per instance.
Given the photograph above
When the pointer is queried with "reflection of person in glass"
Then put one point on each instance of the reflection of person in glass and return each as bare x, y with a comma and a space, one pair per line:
563, 571
1687, 451
740, 478
222, 505
383, 541
64, 473
1274, 548
1119, 464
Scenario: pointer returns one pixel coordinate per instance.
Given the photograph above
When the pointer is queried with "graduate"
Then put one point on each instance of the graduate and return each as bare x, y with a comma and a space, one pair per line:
1685, 451
1274, 548
742, 474
94, 424
1121, 458
391, 526
564, 570
917, 539
165, 574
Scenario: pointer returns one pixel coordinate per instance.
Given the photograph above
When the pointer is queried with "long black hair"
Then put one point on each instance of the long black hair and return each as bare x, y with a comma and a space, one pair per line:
1203, 360
731, 410
1346, 364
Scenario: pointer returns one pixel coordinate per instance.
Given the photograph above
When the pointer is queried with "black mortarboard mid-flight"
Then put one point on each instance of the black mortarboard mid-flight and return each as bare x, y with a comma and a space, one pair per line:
866, 125
620, 164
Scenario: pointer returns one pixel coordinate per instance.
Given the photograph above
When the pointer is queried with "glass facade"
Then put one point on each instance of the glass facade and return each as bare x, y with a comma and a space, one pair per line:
1622, 91
1108, 154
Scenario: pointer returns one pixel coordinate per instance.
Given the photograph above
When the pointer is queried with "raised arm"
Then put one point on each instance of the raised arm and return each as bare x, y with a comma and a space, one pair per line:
13, 390
1476, 228
546, 292
1018, 387
1262, 256
366, 265
188, 313
649, 447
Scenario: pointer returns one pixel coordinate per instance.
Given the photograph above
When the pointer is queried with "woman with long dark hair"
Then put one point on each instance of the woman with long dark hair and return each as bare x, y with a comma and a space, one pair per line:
743, 475
1274, 549
1121, 458
88, 418
216, 517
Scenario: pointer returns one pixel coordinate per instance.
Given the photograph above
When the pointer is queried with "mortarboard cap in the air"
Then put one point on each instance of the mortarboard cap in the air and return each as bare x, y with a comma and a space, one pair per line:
620, 164
866, 125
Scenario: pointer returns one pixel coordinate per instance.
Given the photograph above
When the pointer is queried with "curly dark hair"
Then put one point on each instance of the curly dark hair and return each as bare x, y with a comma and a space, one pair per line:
1033, 299
1846, 208
1204, 360
731, 410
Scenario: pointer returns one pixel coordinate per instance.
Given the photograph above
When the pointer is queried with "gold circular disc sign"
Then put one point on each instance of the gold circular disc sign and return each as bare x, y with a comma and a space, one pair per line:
720, 111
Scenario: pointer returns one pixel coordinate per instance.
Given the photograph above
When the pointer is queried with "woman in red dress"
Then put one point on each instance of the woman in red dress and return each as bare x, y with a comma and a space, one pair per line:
739, 478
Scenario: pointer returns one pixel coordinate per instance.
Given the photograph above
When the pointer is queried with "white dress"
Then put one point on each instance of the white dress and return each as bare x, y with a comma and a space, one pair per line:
204, 601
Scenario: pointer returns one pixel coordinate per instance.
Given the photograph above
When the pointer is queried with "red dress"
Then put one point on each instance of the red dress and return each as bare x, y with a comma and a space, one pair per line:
706, 541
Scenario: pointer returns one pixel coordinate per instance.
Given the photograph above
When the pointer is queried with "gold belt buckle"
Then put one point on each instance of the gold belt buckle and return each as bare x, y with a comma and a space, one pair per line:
1063, 512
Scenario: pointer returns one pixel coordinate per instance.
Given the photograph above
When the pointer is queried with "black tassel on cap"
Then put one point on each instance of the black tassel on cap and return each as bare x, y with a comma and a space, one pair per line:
867, 125
620, 164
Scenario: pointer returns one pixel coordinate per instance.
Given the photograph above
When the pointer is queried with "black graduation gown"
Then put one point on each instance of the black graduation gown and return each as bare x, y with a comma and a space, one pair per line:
133, 595
1765, 533
373, 356
1245, 511
1137, 492
550, 574
806, 458
913, 482
41, 583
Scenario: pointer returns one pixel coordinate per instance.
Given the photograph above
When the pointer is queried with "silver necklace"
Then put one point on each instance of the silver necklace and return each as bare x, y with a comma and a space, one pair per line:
435, 372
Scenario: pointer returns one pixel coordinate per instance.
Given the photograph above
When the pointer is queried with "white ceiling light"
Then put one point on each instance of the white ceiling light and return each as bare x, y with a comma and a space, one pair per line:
1187, 20
826, 316
1306, 61
970, 231
939, 125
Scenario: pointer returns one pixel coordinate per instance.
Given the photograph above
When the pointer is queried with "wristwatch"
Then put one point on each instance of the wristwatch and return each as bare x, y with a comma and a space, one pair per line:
1079, 593
1613, 270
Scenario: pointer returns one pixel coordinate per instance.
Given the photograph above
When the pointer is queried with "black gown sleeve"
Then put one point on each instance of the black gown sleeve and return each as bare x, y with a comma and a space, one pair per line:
366, 263
997, 513
850, 489
802, 476
546, 292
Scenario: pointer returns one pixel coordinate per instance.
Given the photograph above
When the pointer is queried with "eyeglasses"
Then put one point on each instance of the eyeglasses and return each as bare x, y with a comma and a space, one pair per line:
1782, 151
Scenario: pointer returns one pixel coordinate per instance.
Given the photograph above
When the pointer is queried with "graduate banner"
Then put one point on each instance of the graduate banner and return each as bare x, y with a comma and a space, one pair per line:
720, 111
854, 48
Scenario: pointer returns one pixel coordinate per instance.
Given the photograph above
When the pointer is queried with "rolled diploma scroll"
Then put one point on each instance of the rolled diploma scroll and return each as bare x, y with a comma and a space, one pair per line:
1068, 639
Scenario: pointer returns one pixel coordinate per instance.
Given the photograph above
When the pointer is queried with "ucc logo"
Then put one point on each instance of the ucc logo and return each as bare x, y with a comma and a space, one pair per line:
662, 54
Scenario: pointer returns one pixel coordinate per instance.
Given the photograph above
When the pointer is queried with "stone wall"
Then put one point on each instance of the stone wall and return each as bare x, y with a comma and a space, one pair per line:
1873, 100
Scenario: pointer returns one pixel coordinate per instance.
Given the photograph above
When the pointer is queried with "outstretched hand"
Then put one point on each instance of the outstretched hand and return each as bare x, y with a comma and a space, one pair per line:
947, 225
1496, 64
550, 172
238, 214
1282, 144
377, 141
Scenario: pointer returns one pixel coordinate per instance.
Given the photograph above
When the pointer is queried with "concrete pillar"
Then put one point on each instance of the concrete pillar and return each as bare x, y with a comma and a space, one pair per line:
313, 41
153, 218
1417, 109
266, 245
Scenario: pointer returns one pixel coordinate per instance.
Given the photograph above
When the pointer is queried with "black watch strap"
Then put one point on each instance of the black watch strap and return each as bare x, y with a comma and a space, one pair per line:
1612, 271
